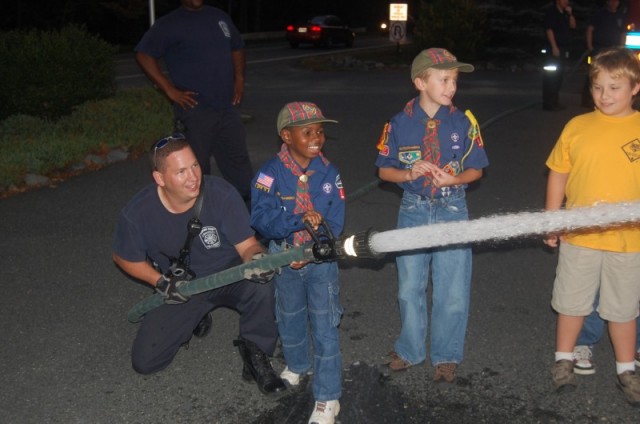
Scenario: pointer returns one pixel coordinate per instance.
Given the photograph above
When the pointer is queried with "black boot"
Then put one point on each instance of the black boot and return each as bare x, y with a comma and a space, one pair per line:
257, 367
204, 326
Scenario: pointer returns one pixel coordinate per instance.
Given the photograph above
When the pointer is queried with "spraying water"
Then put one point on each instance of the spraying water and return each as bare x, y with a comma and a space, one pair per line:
505, 226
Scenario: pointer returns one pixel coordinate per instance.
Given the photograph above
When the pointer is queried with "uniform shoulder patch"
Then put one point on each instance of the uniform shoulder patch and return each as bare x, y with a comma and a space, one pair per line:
384, 137
474, 130
382, 147
264, 182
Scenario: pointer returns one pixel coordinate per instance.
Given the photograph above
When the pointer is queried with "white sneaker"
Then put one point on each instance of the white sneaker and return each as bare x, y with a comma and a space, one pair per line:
290, 377
582, 363
325, 412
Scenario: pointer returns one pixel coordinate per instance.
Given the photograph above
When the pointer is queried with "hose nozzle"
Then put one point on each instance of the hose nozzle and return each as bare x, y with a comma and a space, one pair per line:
357, 245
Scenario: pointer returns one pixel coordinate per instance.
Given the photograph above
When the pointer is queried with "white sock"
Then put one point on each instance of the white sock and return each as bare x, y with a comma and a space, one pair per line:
564, 355
625, 366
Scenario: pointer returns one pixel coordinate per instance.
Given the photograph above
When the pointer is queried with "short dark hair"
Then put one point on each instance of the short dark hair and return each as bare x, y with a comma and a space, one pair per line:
163, 147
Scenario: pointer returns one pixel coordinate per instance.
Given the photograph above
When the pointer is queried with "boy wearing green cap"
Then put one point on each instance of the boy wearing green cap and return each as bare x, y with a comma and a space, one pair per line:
300, 185
432, 151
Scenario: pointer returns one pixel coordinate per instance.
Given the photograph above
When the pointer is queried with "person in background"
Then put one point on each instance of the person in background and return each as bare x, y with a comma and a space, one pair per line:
605, 29
558, 23
204, 56
590, 335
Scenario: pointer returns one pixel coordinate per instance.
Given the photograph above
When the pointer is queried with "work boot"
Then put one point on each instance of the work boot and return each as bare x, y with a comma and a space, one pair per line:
204, 326
564, 379
629, 383
257, 367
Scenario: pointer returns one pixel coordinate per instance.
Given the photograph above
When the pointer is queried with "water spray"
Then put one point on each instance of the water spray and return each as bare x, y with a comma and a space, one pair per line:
372, 244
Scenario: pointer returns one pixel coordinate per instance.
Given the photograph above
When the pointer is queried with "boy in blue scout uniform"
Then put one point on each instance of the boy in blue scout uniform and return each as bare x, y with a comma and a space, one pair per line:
432, 151
297, 185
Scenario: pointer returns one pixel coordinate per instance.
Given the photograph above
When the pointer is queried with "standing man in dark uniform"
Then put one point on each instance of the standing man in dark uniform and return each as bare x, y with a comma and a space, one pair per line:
558, 23
605, 29
203, 52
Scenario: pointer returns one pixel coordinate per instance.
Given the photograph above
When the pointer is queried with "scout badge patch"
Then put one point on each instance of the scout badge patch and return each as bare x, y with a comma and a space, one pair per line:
384, 137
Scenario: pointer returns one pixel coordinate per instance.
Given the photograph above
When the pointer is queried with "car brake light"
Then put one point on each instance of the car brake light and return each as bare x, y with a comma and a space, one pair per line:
315, 28
290, 28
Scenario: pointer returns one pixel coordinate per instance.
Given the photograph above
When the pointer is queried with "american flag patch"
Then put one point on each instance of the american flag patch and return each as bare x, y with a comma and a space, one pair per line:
265, 181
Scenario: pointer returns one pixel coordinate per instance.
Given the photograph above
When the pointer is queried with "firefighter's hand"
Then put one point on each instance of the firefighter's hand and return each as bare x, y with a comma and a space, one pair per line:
260, 275
167, 287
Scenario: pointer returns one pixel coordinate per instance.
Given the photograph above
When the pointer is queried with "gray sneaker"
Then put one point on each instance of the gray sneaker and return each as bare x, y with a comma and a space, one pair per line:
582, 363
629, 383
564, 380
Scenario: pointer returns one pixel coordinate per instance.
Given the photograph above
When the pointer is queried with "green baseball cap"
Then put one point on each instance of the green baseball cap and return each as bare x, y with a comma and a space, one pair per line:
436, 58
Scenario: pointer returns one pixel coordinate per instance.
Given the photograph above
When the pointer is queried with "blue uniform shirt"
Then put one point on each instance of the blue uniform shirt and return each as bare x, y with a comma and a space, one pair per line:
402, 144
147, 230
273, 199
196, 47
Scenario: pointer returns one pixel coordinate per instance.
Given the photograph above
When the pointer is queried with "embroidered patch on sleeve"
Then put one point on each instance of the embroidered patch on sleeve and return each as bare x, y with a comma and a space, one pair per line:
340, 187
382, 141
409, 156
264, 182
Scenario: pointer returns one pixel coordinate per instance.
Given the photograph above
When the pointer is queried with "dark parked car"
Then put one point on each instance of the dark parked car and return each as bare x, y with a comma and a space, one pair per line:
325, 30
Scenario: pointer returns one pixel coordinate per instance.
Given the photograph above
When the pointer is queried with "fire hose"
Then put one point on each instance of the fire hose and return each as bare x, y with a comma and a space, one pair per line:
323, 248
372, 244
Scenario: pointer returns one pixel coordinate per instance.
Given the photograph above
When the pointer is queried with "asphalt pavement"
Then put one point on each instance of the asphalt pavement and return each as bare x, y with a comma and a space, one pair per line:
65, 355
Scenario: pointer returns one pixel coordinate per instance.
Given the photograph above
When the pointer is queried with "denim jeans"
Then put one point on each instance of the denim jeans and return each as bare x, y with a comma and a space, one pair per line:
310, 297
451, 278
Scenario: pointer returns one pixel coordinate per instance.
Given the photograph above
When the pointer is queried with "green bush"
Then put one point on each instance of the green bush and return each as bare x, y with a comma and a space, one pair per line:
456, 25
48, 73
131, 120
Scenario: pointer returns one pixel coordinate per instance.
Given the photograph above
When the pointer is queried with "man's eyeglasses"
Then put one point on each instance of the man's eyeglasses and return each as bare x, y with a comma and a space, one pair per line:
163, 143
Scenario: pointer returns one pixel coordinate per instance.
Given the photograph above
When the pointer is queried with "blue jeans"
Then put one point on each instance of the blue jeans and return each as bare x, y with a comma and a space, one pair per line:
451, 277
593, 328
311, 295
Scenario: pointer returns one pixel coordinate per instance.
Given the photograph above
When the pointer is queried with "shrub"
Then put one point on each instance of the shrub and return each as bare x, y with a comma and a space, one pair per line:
456, 25
132, 120
48, 73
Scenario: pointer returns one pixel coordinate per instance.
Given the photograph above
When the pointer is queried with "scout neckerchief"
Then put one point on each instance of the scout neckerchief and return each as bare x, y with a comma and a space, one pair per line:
431, 150
303, 198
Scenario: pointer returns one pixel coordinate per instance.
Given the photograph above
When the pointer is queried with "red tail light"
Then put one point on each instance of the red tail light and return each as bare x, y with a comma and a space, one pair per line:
315, 28
290, 28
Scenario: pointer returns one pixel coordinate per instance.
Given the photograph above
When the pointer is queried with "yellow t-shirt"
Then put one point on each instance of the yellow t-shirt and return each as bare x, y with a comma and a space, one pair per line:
601, 154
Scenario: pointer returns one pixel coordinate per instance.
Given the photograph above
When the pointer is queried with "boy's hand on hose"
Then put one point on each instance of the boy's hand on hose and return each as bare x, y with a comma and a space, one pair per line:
314, 219
552, 240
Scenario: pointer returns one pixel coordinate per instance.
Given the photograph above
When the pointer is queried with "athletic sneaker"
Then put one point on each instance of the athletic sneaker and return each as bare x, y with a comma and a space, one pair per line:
325, 412
290, 377
629, 383
564, 379
582, 363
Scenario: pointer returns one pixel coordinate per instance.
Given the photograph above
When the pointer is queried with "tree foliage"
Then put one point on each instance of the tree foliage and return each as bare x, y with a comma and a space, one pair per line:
456, 25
